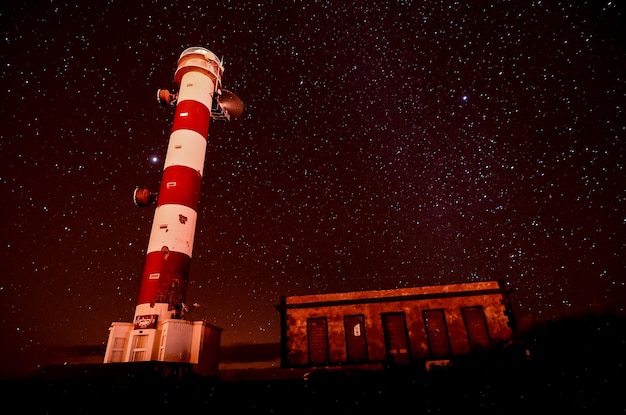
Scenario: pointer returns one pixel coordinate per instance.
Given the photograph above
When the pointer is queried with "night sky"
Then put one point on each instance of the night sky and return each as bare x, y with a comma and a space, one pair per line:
383, 144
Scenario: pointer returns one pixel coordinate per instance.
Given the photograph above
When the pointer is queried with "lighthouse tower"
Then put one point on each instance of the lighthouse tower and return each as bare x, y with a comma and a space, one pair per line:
160, 331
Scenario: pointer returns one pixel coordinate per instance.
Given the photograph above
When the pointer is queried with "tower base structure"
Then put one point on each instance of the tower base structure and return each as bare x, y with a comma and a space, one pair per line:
172, 340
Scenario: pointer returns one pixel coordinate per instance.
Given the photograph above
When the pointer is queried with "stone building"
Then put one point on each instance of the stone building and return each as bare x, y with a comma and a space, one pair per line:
426, 325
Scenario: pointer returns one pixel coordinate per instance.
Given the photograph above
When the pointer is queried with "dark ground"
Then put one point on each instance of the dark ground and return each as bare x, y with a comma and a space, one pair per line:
575, 366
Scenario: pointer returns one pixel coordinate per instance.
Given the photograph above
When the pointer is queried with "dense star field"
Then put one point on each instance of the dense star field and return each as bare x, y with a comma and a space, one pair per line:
383, 144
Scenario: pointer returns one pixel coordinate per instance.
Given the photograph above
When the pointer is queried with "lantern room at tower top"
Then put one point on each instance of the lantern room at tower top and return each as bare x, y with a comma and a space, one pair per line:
196, 58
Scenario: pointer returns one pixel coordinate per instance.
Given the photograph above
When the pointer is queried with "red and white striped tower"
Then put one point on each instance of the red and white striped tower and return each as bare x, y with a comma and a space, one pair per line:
158, 331
165, 275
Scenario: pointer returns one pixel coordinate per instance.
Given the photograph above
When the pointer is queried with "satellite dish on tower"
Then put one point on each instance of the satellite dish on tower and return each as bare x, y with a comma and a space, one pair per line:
226, 105
230, 102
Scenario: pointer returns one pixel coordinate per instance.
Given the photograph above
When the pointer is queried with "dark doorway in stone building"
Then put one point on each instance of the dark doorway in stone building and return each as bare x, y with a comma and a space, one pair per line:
356, 344
477, 331
437, 333
317, 331
396, 338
